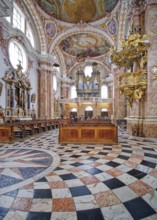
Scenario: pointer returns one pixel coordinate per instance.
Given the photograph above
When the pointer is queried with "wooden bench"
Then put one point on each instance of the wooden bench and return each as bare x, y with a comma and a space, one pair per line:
6, 134
88, 134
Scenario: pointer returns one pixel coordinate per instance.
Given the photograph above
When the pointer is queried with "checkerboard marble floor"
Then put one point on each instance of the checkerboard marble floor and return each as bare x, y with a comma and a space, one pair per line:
43, 180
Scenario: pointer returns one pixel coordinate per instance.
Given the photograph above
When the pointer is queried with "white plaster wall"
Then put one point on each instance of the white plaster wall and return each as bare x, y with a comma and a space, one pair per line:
33, 76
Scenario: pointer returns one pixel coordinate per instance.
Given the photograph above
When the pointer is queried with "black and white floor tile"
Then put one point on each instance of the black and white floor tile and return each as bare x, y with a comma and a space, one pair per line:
41, 179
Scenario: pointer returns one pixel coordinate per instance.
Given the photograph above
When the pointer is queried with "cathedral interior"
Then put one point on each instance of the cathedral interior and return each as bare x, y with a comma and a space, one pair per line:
78, 109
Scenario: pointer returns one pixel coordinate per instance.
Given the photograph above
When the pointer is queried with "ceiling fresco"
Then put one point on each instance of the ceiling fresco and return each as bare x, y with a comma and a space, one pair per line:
85, 44
74, 11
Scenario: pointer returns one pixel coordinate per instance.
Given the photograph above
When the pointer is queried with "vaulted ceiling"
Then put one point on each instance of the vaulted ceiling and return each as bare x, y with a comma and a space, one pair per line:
74, 28
85, 44
75, 11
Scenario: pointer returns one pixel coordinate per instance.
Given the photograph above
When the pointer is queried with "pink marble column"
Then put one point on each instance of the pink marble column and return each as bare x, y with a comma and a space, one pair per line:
65, 90
150, 122
142, 120
110, 90
119, 110
50, 94
45, 94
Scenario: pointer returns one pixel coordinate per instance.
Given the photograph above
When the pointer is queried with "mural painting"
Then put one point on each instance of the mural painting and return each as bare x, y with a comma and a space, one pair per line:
75, 11
85, 44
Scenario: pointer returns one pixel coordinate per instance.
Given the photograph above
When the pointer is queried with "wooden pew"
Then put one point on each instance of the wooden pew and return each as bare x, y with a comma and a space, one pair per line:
88, 134
9, 131
6, 134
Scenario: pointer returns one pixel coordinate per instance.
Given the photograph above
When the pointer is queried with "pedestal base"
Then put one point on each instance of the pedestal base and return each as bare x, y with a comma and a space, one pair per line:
142, 127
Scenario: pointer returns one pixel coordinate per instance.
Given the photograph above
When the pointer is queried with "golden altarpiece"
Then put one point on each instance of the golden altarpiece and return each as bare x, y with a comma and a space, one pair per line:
18, 89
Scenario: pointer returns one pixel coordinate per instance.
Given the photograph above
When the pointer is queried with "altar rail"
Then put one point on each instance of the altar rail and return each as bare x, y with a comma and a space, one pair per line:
88, 134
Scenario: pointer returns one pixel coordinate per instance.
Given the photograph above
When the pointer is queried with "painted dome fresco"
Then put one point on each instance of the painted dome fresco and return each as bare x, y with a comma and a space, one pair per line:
74, 11
85, 44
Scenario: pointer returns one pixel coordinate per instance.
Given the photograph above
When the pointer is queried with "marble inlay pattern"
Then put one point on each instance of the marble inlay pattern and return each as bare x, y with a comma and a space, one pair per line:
89, 182
21, 166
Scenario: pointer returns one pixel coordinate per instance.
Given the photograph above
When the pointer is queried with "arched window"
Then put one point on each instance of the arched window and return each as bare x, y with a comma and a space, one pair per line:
19, 21
54, 83
73, 93
104, 92
73, 110
17, 55
104, 113
18, 18
88, 112
88, 71
104, 110
89, 108
29, 34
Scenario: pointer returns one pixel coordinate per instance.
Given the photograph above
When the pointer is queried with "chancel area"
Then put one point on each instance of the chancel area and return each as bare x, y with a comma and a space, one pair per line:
78, 109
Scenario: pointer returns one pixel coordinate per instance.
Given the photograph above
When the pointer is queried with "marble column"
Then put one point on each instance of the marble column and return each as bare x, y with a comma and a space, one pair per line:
135, 113
142, 120
42, 94
150, 121
64, 91
119, 109
45, 94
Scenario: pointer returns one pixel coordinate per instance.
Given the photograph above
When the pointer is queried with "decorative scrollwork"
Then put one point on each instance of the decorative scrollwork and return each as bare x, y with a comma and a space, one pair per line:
133, 85
134, 49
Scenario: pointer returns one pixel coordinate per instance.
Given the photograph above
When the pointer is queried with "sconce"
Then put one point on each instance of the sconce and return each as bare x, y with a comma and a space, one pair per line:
154, 72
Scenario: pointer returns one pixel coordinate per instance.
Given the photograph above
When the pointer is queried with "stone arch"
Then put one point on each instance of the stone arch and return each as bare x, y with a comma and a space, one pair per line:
72, 70
38, 23
80, 29
62, 61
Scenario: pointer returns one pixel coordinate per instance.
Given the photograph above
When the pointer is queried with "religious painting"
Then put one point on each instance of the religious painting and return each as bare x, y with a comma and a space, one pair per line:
85, 45
1, 88
33, 97
77, 11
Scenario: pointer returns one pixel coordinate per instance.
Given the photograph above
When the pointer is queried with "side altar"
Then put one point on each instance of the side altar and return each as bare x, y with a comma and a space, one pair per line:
18, 99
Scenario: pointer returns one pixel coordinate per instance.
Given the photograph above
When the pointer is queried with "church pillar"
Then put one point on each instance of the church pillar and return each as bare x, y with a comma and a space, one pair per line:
45, 94
136, 113
50, 94
42, 94
65, 90
119, 110
150, 122
142, 120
